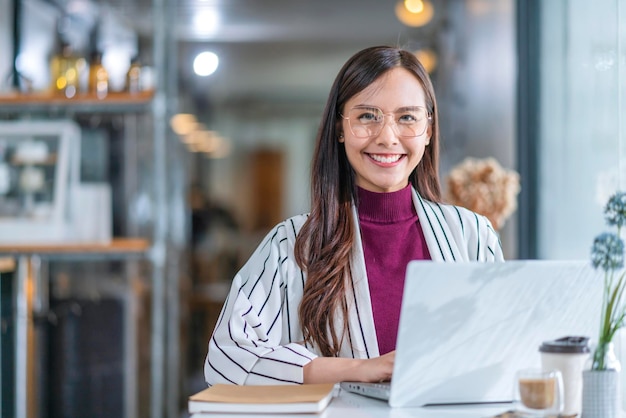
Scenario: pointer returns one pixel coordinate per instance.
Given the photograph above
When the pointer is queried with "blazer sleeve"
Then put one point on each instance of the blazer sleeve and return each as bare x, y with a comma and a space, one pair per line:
257, 336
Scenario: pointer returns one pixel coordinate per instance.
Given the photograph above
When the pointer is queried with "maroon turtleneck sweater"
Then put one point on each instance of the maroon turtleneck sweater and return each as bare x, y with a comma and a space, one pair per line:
392, 237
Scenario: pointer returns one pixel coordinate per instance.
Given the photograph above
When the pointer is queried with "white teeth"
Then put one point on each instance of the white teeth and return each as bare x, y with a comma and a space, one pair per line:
385, 159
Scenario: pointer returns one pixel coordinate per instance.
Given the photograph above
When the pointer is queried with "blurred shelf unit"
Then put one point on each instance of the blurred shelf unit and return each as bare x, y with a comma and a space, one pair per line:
72, 210
132, 126
115, 102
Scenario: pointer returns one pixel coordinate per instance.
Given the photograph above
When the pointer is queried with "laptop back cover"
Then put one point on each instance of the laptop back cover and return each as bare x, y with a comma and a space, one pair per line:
466, 328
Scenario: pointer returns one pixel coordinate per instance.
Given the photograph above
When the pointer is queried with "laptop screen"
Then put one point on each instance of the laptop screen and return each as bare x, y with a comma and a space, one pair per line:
466, 328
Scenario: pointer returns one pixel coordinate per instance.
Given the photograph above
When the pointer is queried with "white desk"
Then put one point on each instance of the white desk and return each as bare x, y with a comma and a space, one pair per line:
349, 405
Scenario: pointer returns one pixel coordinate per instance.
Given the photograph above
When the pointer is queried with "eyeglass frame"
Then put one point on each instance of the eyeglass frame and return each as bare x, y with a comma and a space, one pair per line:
429, 118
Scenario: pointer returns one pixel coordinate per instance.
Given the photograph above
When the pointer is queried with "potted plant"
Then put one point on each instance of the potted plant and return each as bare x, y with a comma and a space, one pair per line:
601, 393
485, 187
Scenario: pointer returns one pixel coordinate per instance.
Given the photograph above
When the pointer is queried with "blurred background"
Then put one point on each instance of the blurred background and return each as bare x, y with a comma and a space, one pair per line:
146, 147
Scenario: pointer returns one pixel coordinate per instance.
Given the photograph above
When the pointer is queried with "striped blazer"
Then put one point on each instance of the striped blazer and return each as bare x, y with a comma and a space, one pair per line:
257, 338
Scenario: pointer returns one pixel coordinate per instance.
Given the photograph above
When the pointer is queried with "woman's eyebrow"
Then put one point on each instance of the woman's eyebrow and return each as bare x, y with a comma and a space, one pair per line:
415, 107
402, 108
365, 106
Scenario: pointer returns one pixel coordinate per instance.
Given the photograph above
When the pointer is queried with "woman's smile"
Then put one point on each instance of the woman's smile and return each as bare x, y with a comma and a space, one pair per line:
386, 159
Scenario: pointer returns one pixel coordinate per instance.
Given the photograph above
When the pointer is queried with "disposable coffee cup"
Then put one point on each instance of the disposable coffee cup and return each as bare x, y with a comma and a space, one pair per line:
568, 355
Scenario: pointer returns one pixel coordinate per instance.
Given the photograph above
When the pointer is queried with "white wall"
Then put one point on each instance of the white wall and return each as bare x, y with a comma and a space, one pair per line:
582, 138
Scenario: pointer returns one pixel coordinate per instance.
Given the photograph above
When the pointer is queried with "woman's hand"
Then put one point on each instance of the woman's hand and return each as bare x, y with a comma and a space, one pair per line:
378, 369
336, 369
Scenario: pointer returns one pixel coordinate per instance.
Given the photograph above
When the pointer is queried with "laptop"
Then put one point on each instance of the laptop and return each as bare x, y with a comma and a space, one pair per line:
466, 328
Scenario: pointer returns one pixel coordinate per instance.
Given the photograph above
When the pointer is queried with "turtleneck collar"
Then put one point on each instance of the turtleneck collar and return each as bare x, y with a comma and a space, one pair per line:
386, 207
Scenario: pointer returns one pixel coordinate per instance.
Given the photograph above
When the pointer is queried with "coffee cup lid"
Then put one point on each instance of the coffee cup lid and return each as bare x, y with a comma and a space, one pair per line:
566, 345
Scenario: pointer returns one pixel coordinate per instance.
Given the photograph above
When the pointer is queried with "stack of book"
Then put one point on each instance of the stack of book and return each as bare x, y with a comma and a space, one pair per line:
272, 399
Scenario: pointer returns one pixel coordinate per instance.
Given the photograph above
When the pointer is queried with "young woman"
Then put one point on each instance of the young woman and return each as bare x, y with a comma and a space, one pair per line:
319, 300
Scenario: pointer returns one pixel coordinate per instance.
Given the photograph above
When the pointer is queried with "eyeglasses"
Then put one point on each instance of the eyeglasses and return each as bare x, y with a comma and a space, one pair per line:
368, 121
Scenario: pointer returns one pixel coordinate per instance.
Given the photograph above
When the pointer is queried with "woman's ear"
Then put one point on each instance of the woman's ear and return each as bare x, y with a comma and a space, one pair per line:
341, 137
429, 133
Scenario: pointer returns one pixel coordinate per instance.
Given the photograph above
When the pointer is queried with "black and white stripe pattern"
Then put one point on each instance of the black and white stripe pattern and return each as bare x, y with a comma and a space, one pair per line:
454, 233
257, 339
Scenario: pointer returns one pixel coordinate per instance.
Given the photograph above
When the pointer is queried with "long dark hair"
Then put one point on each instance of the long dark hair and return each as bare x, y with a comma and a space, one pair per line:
324, 244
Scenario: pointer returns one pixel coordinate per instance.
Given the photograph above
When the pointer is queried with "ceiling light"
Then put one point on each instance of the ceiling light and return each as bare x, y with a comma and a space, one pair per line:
205, 63
183, 123
414, 6
414, 13
222, 150
206, 22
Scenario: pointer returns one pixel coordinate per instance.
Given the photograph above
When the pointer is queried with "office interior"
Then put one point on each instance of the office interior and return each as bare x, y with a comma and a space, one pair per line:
108, 303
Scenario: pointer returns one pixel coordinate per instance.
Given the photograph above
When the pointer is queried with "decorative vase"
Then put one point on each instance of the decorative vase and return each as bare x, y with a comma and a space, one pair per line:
601, 384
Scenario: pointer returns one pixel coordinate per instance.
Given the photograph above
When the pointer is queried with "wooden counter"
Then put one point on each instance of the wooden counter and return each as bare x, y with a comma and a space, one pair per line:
117, 246
116, 103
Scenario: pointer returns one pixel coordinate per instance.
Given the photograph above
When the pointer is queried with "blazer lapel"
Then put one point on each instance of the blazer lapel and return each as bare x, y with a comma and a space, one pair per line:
361, 322
436, 230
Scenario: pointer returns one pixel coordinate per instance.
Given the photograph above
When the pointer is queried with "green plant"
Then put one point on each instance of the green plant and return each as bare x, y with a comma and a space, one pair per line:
607, 254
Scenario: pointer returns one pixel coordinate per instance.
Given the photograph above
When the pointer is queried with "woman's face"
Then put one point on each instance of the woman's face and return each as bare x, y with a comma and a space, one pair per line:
384, 161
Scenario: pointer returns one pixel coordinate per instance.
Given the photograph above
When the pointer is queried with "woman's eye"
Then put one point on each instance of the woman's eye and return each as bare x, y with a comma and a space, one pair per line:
408, 118
368, 117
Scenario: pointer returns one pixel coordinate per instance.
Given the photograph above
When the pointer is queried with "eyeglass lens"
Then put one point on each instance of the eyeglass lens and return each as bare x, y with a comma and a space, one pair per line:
366, 122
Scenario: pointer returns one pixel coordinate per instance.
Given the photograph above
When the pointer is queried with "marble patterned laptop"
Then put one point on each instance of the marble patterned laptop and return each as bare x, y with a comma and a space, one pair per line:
466, 328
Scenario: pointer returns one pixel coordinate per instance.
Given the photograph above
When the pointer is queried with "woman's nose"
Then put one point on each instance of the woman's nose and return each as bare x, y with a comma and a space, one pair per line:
387, 135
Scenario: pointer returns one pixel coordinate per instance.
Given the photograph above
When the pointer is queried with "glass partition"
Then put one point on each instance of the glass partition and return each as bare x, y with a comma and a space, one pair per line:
581, 148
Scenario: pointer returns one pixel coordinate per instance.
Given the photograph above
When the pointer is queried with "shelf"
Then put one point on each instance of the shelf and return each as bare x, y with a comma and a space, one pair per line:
49, 160
118, 248
114, 102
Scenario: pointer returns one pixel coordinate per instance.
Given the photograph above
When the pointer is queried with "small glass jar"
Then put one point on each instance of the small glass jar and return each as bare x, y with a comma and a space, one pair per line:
133, 76
66, 70
604, 358
98, 77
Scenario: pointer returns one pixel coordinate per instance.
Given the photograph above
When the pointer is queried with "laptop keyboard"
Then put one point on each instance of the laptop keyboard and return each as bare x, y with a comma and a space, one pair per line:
380, 390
